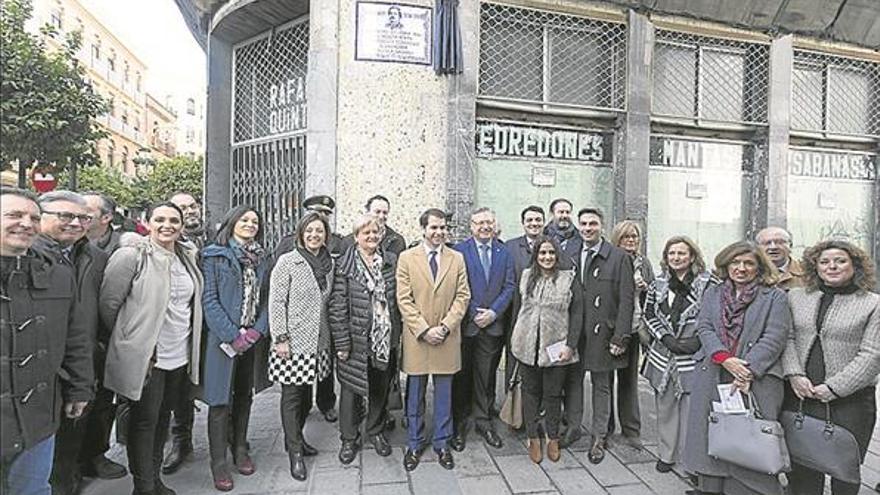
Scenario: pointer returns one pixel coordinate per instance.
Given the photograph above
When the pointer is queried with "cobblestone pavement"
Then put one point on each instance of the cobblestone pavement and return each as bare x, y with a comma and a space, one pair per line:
479, 470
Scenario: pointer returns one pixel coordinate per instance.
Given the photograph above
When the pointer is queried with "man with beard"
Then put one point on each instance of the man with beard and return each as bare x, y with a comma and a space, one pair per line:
44, 343
561, 228
776, 242
195, 232
63, 236
101, 232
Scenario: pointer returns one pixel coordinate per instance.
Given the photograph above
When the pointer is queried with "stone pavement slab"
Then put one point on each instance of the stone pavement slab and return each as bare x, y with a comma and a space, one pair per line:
480, 470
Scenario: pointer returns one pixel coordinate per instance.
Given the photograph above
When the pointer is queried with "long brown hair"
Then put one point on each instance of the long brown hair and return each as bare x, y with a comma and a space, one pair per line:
698, 265
864, 271
767, 272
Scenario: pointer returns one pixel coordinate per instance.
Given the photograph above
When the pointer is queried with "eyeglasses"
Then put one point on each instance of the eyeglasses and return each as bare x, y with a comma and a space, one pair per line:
66, 217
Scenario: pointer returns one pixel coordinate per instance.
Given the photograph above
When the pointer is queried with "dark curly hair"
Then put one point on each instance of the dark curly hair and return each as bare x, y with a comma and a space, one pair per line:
864, 276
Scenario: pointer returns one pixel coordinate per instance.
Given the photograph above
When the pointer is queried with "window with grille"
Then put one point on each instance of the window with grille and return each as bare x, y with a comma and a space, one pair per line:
710, 78
542, 57
835, 94
268, 126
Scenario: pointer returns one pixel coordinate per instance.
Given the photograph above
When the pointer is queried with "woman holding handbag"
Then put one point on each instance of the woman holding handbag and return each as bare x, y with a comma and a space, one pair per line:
299, 288
234, 267
833, 354
671, 308
544, 341
743, 325
151, 297
366, 325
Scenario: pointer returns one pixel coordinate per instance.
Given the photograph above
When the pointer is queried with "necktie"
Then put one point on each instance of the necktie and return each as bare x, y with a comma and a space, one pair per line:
585, 266
432, 262
484, 260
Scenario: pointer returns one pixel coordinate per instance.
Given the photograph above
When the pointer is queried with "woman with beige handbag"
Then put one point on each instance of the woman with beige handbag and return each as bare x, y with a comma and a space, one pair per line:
544, 342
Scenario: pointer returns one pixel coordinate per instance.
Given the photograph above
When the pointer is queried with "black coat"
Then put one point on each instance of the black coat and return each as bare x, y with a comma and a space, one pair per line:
351, 318
42, 340
608, 294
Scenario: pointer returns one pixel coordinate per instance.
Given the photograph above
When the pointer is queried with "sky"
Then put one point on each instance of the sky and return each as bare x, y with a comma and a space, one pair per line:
155, 31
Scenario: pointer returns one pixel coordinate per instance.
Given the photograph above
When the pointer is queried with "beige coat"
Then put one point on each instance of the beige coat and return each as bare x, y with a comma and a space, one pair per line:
426, 303
795, 276
134, 299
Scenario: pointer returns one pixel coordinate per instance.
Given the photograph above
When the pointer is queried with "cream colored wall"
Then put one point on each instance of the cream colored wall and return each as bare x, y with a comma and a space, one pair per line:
391, 134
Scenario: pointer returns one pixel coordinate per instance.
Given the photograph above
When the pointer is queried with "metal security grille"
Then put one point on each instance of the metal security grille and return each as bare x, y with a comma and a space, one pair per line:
268, 126
835, 94
269, 83
270, 176
542, 57
710, 78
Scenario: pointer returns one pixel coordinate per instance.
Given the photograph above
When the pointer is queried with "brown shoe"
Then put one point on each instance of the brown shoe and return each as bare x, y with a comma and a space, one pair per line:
536, 450
553, 450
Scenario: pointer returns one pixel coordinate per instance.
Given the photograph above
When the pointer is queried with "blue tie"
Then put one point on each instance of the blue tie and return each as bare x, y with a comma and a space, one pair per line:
432, 262
484, 260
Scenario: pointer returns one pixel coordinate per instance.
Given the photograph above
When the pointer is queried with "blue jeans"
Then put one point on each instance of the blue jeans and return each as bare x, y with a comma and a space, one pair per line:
28, 473
415, 410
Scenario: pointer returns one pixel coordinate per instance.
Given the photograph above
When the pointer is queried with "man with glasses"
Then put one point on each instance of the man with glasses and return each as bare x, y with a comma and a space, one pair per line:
63, 228
44, 341
776, 242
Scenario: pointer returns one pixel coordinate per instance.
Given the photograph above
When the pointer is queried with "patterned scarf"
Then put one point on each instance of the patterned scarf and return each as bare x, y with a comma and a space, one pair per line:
249, 255
370, 274
733, 311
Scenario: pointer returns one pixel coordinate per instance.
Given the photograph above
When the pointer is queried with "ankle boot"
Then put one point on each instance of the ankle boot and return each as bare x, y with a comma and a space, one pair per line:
217, 434
536, 453
222, 477
297, 464
553, 450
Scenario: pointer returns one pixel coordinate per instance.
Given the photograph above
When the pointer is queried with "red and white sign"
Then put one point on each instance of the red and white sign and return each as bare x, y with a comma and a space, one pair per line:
43, 181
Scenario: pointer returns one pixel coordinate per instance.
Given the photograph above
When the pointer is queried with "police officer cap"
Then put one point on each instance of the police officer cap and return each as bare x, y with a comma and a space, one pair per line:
320, 203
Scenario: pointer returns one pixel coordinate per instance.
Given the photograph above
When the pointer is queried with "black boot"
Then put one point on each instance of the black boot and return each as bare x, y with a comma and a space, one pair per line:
297, 464
217, 435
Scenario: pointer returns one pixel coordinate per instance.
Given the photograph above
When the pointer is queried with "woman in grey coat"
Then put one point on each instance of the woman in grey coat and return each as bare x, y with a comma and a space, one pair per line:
671, 308
833, 353
743, 326
299, 288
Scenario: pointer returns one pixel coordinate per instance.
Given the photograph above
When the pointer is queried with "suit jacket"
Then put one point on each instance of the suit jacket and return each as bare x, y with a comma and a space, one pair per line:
426, 302
608, 293
495, 294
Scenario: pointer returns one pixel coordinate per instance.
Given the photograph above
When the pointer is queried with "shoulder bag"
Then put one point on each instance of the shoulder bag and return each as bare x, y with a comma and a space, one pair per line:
821, 445
511, 410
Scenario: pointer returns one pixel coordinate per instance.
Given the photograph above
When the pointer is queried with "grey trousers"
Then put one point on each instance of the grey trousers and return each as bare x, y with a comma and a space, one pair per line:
672, 416
601, 394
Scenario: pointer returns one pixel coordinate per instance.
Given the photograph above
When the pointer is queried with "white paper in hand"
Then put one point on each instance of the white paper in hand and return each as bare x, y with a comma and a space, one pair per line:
554, 351
731, 399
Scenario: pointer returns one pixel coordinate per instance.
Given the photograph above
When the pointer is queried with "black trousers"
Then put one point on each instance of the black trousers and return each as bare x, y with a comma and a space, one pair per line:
473, 392
627, 394
148, 424
351, 405
184, 416
296, 401
542, 388
573, 388
229, 423
78, 441
325, 393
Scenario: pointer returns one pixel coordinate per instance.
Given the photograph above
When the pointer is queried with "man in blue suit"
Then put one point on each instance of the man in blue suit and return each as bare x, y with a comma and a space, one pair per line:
492, 283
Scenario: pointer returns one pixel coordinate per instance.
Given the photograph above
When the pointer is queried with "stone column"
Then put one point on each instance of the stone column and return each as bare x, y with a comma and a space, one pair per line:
218, 192
779, 122
322, 83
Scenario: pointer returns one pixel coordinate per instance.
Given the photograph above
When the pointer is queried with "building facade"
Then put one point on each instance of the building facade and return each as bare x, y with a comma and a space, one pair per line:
162, 127
117, 74
692, 126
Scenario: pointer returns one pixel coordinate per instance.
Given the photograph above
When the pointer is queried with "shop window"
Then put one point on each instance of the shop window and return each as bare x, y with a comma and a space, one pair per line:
551, 58
710, 78
835, 94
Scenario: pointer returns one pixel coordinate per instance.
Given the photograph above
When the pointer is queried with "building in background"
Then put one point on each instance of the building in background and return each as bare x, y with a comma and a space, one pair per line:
694, 117
118, 75
162, 128
190, 111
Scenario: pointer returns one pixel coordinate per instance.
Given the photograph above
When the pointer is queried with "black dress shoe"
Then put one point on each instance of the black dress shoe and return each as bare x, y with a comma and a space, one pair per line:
597, 451
491, 438
308, 450
457, 442
330, 415
381, 445
390, 424
444, 457
411, 459
348, 451
179, 454
297, 466
105, 469
663, 467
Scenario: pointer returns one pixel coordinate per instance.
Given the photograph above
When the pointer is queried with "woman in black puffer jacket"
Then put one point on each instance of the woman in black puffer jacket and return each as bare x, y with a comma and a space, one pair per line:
365, 323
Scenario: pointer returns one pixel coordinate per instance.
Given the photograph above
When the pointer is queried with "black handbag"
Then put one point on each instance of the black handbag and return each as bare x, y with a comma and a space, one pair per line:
821, 445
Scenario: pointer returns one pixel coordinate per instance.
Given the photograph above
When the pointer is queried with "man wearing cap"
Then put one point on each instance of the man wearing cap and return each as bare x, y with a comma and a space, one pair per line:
323, 204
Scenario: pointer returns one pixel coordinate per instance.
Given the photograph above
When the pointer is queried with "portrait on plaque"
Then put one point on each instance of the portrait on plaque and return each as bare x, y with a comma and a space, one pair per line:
393, 32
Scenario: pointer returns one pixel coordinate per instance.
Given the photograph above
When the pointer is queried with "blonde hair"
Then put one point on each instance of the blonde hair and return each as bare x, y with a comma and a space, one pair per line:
767, 272
363, 222
623, 228
864, 271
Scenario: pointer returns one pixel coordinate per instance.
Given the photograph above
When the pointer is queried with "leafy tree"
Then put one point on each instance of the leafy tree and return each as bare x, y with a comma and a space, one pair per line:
182, 173
47, 105
107, 180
